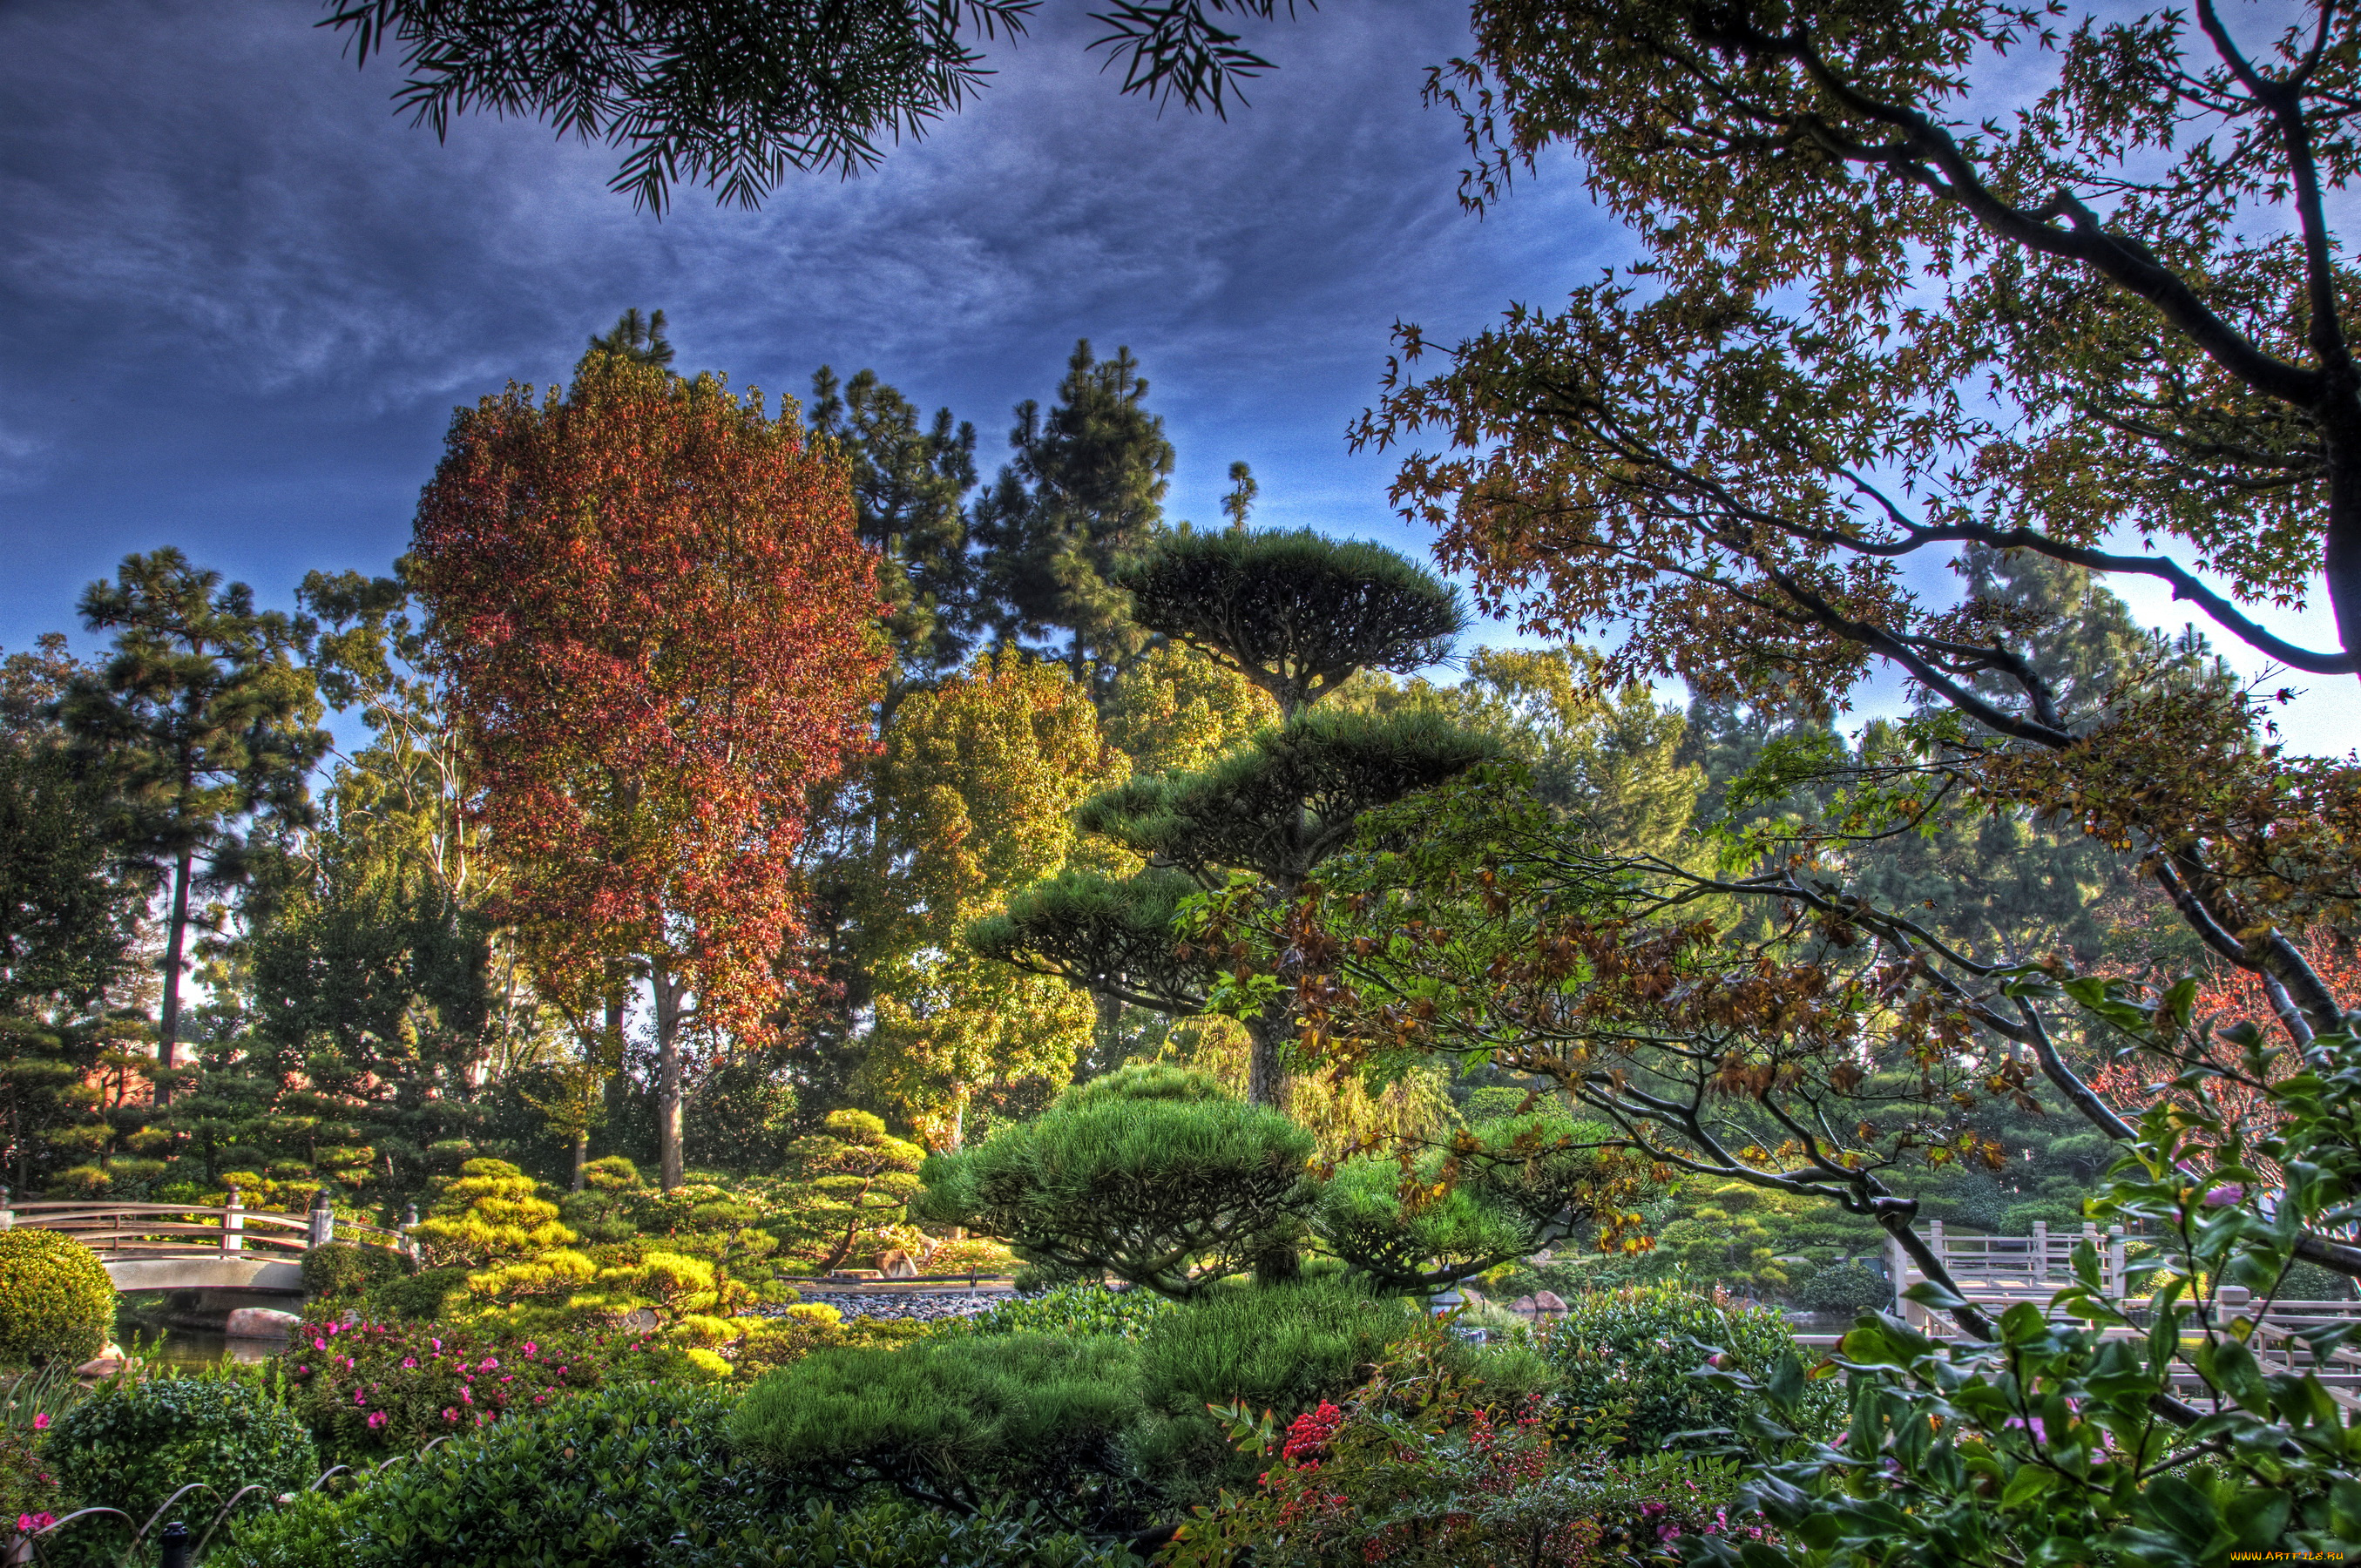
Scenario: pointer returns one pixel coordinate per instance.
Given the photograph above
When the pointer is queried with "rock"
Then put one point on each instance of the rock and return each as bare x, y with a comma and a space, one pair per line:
898, 1264
260, 1323
105, 1364
1548, 1301
1525, 1305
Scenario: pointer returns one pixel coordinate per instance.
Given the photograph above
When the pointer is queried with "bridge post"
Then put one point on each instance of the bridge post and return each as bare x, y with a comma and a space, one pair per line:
409, 1241
8, 1214
2116, 1285
234, 1225
323, 1218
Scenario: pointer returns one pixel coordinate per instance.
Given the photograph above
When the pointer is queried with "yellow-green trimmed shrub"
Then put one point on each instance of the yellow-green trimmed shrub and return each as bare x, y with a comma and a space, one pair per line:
56, 1301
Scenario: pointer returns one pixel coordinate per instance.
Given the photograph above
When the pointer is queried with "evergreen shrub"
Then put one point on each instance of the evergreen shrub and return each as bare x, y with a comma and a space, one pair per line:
340, 1271
626, 1477
956, 1420
1628, 1359
56, 1301
131, 1444
1282, 1348
1849, 1287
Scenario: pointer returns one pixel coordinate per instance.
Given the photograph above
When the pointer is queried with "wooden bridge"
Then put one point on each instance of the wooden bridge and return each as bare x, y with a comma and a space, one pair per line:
179, 1246
1998, 1272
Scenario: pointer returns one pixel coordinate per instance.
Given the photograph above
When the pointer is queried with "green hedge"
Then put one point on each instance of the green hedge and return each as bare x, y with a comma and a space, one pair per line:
620, 1479
56, 1301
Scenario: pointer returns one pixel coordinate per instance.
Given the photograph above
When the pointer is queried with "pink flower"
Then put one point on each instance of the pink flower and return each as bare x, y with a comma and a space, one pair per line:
319, 1343
2223, 1197
490, 1364
435, 1342
449, 1414
530, 1347
466, 1395
409, 1361
377, 1420
27, 1523
41, 1421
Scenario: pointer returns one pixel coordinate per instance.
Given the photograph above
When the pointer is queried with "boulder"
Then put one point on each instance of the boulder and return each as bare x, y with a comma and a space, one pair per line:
1548, 1301
260, 1323
105, 1364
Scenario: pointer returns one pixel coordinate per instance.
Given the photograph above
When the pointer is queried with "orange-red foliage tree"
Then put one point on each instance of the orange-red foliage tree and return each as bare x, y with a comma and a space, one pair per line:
659, 629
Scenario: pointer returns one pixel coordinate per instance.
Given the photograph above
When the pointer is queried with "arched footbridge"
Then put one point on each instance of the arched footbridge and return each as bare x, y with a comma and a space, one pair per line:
177, 1246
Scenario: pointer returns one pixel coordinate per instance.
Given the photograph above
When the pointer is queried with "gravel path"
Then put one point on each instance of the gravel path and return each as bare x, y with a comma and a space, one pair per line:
926, 1305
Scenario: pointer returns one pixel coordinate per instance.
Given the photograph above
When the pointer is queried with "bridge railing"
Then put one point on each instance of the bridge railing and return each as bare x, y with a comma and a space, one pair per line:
183, 1230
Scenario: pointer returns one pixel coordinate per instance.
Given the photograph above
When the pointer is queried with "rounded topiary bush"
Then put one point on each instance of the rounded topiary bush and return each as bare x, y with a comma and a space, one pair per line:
1849, 1287
1628, 1360
131, 1445
340, 1271
56, 1301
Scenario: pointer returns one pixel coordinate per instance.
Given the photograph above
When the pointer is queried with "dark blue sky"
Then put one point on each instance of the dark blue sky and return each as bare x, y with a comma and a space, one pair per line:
242, 297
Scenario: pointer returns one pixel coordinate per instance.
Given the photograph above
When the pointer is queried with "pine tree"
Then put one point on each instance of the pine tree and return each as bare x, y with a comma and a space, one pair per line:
206, 729
1085, 492
909, 483
637, 338
1297, 616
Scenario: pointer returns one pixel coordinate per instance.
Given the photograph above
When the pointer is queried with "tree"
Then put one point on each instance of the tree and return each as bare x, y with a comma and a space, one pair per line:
1154, 1175
1295, 615
638, 338
1873, 332
656, 622
736, 95
855, 1177
68, 918
977, 789
204, 728
1085, 492
909, 484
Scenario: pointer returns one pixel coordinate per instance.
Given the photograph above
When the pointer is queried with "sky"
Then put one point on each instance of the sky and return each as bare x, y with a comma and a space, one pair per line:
242, 297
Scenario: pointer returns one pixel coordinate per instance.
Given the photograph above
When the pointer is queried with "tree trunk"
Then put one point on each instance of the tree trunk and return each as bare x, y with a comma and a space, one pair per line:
1266, 1078
581, 1157
168, 1026
669, 992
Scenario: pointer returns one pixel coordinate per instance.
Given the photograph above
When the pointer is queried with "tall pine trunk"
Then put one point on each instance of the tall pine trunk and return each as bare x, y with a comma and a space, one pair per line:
167, 1028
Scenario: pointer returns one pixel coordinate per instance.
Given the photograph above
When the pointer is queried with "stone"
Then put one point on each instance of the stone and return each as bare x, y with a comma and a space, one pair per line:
105, 1364
260, 1323
1548, 1301
898, 1264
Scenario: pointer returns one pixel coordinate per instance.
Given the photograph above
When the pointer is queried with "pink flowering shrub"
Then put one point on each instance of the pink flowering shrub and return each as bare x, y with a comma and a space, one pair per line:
369, 1386
29, 1495
1417, 1468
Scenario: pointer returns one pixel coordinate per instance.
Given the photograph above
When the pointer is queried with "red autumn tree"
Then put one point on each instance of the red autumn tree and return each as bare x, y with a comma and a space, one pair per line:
657, 623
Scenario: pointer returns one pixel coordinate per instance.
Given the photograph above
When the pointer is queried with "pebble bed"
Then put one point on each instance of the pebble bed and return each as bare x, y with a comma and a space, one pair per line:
925, 1305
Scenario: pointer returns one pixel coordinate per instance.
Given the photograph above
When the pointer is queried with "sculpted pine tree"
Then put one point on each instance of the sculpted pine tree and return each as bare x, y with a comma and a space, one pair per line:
1295, 615
655, 620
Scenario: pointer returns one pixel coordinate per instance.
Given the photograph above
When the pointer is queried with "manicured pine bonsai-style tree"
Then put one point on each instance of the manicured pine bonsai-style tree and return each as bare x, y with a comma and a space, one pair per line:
1298, 615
